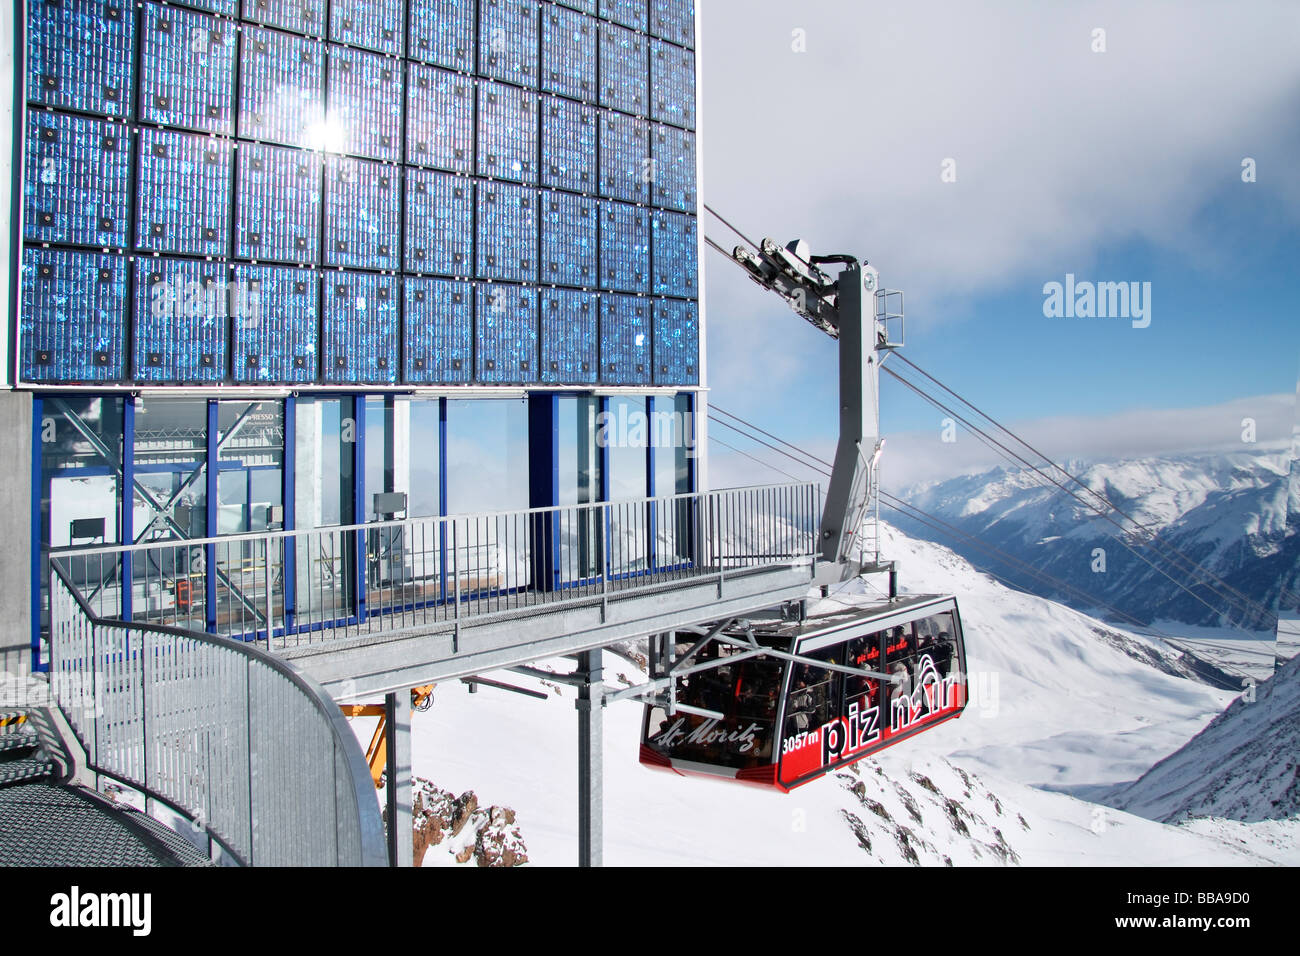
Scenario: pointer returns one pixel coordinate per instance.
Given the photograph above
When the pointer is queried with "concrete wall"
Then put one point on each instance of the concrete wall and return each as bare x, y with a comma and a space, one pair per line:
15, 519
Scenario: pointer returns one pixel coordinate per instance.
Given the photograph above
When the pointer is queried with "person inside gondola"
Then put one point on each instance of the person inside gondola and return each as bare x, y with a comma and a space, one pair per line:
801, 708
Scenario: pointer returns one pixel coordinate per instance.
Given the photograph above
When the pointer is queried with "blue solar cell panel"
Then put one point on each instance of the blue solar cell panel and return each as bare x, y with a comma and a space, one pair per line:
624, 70
274, 308
673, 20
439, 223
181, 308
630, 13
73, 322
183, 189
569, 337
507, 40
442, 32
676, 343
224, 7
672, 84
625, 167
79, 54
506, 340
277, 204
675, 245
568, 145
569, 251
624, 248
440, 119
507, 133
301, 16
569, 54
187, 69
507, 232
361, 213
77, 173
282, 89
365, 103
674, 168
439, 340
359, 328
624, 340
374, 24
586, 6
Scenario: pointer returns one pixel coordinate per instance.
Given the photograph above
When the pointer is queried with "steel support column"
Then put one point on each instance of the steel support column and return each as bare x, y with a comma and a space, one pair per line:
591, 763
401, 837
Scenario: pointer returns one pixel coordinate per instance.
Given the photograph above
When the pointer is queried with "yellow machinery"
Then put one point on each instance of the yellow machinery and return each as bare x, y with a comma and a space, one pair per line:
377, 752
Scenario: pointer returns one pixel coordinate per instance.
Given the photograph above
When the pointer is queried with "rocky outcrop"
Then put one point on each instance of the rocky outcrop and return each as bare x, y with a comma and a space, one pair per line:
458, 826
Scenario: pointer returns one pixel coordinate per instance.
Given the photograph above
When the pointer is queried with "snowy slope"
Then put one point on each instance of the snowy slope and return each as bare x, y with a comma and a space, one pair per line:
1055, 702
1244, 766
1225, 512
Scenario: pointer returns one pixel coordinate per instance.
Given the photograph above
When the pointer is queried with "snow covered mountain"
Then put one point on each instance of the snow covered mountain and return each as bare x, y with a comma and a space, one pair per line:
1059, 701
1244, 766
1224, 512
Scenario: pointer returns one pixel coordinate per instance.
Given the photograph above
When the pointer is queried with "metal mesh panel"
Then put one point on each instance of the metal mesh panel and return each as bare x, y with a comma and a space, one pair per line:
374, 24
624, 70
183, 202
440, 119
676, 254
365, 103
672, 84
569, 248
361, 213
507, 133
568, 54
507, 232
674, 168
301, 16
624, 248
282, 88
442, 32
568, 145
180, 320
359, 328
569, 336
79, 54
676, 342
624, 157
439, 223
74, 316
275, 324
506, 334
507, 40
77, 173
439, 331
187, 69
278, 204
624, 340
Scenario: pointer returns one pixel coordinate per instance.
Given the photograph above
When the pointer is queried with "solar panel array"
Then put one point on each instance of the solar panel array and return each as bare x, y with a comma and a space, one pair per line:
360, 192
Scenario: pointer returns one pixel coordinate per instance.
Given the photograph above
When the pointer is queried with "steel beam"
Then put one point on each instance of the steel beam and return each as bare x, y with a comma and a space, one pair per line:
591, 760
401, 836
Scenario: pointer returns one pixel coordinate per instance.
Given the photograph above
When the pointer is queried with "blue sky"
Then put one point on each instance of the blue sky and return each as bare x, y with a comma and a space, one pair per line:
1123, 165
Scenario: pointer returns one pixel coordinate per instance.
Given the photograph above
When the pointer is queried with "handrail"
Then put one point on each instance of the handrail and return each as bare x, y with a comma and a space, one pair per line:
117, 742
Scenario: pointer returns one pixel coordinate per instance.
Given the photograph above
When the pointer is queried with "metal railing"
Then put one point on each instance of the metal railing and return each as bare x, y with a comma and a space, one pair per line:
298, 587
252, 753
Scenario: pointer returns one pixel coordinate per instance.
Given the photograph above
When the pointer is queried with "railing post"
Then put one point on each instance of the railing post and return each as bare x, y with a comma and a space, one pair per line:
266, 582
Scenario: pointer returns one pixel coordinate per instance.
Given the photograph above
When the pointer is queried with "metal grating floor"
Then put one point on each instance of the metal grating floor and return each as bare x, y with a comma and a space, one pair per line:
45, 824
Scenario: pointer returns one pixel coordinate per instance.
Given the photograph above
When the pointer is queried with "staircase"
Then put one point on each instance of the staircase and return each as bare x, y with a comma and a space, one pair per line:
22, 758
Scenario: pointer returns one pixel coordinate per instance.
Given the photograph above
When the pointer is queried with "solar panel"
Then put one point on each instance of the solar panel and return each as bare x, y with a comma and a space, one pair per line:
630, 13
282, 88
278, 204
506, 339
675, 246
568, 54
76, 183
569, 239
275, 337
439, 223
508, 32
673, 184
359, 328
187, 69
79, 54
439, 340
374, 24
624, 70
365, 104
181, 307
624, 247
507, 232
569, 353
361, 213
672, 84
625, 166
183, 203
507, 133
73, 321
301, 16
624, 340
568, 145
673, 20
442, 32
440, 119
676, 342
